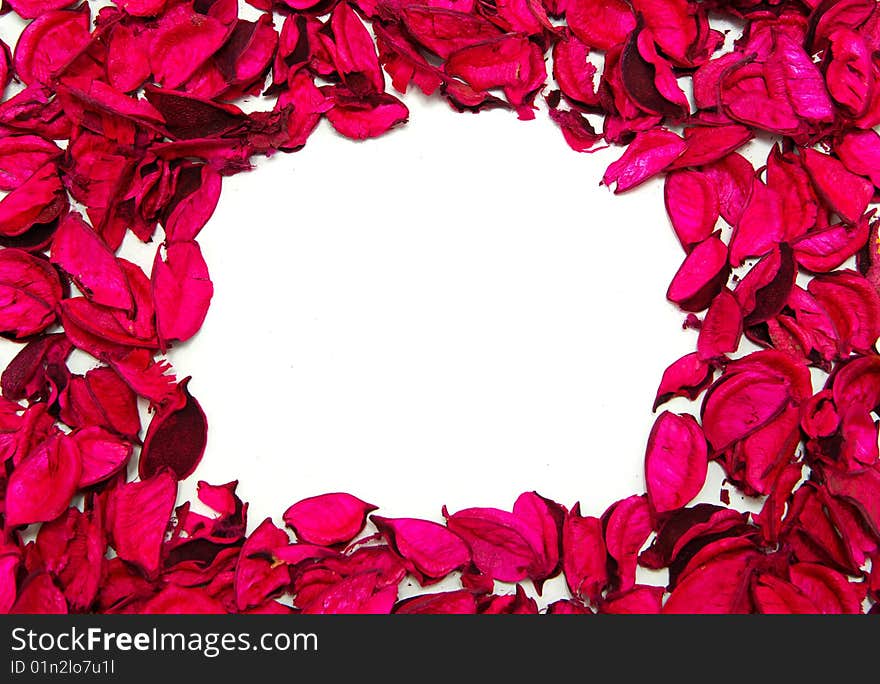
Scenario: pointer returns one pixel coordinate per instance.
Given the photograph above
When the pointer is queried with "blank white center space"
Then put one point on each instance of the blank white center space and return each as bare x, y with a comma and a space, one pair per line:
452, 314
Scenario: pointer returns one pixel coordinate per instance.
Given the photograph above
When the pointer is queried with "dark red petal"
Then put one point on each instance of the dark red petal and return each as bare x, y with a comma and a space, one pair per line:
176, 438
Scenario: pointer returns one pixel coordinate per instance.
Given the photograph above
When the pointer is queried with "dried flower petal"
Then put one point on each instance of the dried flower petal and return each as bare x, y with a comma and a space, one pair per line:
722, 327
584, 555
701, 276
499, 542
30, 293
675, 461
844, 192
43, 483
429, 549
687, 377
328, 519
600, 25
183, 41
81, 253
650, 153
137, 516
182, 291
692, 204
176, 439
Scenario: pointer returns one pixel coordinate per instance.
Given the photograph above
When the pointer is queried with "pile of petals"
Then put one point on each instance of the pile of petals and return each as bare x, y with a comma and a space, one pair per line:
123, 117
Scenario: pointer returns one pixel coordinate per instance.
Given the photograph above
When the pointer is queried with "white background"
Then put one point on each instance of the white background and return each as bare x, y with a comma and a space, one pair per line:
452, 314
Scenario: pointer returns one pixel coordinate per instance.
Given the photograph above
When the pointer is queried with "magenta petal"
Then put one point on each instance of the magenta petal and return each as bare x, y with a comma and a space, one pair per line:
862, 490
429, 548
628, 525
257, 576
687, 377
828, 248
853, 305
10, 557
701, 275
650, 153
198, 188
72, 548
639, 600
499, 542
675, 461
80, 252
584, 555
42, 484
459, 602
739, 404
368, 118
858, 384
355, 595
787, 177
328, 519
182, 42
573, 71
766, 288
21, 156
600, 24
722, 327
692, 204
708, 144
860, 153
182, 291
39, 596
760, 225
175, 600
716, 587
102, 454
769, 449
860, 447
138, 514
733, 177
844, 192
30, 292
775, 596
826, 589
444, 31
545, 518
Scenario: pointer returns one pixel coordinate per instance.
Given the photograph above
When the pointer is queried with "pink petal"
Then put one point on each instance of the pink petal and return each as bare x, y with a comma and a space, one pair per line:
686, 377
584, 555
182, 291
328, 519
701, 275
845, 193
692, 204
675, 461
42, 484
650, 153
176, 439
499, 542
138, 514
